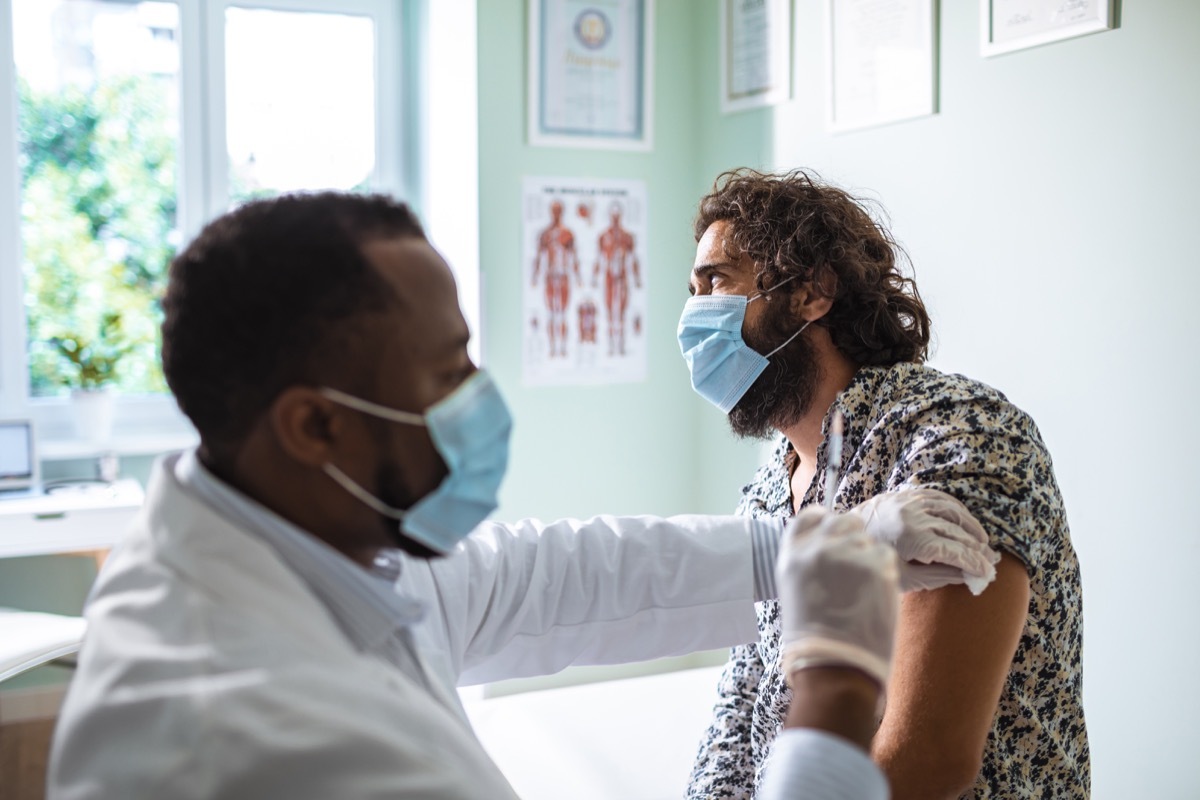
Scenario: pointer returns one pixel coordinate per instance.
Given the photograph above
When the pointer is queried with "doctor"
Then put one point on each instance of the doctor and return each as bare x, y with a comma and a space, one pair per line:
277, 623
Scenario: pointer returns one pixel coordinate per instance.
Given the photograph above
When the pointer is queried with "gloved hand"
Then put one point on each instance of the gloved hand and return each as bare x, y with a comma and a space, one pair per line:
838, 595
937, 539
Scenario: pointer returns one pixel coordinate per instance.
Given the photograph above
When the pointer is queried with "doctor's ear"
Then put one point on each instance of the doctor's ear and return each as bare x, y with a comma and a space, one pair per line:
307, 425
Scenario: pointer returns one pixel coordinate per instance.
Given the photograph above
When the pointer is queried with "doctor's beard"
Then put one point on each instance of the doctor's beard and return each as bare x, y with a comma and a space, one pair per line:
388, 477
784, 392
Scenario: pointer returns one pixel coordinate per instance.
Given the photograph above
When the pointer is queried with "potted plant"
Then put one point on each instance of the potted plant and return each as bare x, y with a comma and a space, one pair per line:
89, 369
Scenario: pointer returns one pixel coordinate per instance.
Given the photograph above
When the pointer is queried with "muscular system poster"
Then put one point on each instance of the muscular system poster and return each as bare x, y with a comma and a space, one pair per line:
584, 281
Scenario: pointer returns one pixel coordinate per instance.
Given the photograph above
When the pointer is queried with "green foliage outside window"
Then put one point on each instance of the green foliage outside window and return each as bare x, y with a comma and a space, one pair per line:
98, 214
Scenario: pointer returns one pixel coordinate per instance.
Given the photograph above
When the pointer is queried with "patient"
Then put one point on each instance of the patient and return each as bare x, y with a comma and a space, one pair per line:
985, 695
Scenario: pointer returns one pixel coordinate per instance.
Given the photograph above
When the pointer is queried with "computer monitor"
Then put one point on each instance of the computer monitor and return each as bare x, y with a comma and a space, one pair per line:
18, 455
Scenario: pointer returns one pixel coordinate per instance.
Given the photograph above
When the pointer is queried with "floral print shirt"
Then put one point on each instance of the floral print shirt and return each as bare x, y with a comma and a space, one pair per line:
909, 425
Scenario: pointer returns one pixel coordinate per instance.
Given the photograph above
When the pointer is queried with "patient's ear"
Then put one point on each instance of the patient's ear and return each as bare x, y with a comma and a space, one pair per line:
306, 424
810, 302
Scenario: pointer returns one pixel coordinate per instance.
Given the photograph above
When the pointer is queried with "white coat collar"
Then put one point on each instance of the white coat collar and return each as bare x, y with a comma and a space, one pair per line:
220, 557
365, 605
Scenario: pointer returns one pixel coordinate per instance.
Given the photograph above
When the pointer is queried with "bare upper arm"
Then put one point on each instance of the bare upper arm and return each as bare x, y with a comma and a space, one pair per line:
953, 652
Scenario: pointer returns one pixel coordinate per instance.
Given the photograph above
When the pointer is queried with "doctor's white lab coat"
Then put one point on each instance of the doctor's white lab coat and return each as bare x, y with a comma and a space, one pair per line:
210, 670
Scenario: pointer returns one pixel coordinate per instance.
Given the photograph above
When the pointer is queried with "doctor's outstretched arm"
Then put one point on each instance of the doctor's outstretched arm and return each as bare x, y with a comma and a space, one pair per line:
531, 598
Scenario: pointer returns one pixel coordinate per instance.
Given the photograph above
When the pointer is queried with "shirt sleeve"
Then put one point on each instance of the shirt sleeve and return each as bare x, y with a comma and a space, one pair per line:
815, 765
724, 765
989, 456
764, 542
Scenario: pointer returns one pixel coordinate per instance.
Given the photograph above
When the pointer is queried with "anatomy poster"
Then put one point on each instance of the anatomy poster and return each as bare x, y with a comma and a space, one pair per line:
584, 275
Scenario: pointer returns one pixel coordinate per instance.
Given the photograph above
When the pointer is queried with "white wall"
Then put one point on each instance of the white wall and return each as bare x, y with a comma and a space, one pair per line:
1050, 210
450, 145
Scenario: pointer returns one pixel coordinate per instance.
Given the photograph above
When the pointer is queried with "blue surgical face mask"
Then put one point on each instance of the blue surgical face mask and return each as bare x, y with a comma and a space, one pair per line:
470, 429
722, 365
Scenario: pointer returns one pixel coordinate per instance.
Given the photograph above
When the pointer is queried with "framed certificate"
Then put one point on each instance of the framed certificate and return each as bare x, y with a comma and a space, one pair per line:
755, 53
591, 73
1007, 25
882, 66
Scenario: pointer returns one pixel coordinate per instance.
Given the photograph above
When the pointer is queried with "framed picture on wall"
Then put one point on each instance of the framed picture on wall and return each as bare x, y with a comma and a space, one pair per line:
755, 51
591, 73
589, 331
1007, 25
882, 62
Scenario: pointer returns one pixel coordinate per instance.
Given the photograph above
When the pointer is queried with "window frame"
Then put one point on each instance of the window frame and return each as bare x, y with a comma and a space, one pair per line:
388, 174
152, 423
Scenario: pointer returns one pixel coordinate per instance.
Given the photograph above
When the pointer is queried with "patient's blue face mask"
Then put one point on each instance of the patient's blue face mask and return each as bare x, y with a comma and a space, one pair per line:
722, 365
470, 429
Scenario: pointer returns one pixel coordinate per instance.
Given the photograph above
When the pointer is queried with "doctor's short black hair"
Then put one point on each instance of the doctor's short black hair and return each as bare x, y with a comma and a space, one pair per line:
794, 224
273, 294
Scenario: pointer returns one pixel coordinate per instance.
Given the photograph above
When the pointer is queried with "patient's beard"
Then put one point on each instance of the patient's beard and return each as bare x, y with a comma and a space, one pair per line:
784, 392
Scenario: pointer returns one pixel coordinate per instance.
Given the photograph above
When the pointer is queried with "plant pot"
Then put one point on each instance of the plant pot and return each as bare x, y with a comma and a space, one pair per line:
93, 410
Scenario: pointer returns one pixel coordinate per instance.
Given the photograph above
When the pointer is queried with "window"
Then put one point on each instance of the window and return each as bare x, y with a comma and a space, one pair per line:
129, 125
300, 114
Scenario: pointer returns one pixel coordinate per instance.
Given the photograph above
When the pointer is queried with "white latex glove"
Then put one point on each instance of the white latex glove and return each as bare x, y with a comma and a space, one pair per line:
937, 539
838, 594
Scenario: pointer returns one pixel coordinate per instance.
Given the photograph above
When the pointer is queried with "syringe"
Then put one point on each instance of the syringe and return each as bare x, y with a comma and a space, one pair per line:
833, 457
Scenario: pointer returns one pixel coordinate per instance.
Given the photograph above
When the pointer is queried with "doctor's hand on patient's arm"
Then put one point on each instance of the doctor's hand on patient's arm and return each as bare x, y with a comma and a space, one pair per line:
938, 541
839, 598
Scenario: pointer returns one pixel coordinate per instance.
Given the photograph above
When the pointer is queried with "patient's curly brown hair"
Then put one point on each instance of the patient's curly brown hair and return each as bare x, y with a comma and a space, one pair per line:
794, 224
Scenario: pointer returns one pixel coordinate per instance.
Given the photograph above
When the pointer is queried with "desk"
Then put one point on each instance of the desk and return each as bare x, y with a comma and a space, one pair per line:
68, 520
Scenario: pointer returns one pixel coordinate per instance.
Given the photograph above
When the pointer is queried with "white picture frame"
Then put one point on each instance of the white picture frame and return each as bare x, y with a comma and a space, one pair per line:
591, 74
882, 62
1009, 25
755, 53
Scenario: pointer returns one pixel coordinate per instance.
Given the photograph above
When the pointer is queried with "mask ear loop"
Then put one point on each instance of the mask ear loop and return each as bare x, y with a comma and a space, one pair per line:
765, 292
794, 335
347, 483
789, 339
374, 409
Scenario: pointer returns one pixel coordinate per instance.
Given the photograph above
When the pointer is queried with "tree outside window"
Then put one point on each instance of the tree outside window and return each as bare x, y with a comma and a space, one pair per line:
97, 133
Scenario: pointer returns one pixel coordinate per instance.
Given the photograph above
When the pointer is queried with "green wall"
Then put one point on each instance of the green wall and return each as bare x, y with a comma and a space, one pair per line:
628, 448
